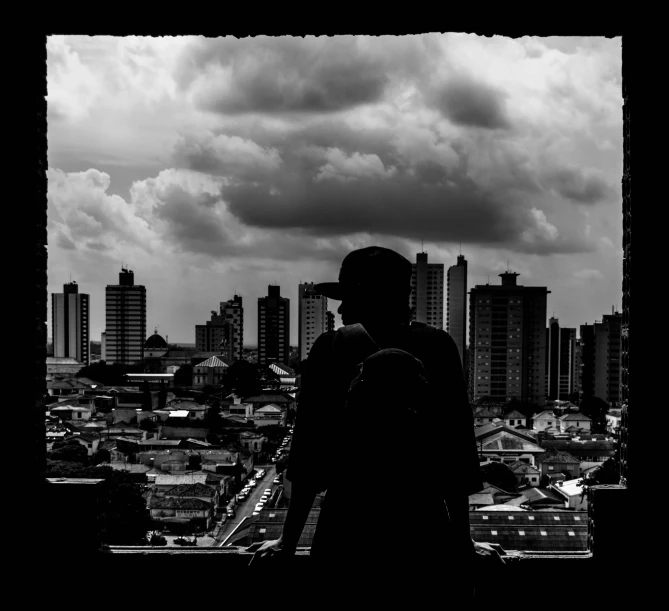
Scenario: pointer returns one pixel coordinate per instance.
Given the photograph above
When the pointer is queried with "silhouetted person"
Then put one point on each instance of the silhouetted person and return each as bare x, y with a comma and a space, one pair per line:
395, 518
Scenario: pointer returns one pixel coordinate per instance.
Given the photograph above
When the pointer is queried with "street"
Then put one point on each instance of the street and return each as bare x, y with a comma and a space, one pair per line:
245, 509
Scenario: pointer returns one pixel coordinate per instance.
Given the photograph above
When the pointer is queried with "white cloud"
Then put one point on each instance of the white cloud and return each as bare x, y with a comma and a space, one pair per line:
344, 167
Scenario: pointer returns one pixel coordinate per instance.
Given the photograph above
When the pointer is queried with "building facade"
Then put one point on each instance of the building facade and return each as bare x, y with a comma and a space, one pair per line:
70, 323
427, 291
103, 346
330, 321
273, 328
560, 360
456, 306
214, 335
232, 312
125, 320
601, 346
312, 317
507, 331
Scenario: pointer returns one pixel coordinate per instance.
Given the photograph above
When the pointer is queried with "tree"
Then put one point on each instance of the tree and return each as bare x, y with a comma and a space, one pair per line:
243, 377
101, 456
107, 374
184, 376
595, 409
69, 451
498, 474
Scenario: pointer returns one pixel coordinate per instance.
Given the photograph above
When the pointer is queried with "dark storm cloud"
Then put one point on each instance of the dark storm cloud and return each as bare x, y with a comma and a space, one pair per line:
286, 74
578, 185
469, 103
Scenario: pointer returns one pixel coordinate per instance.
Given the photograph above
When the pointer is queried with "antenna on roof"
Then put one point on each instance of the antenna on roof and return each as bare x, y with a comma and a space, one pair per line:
421, 246
460, 247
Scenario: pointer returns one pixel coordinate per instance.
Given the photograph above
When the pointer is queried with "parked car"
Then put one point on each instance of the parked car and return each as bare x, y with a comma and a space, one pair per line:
277, 480
259, 506
230, 513
264, 498
268, 491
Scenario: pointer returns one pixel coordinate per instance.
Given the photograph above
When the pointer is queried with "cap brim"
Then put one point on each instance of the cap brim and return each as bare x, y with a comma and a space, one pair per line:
332, 290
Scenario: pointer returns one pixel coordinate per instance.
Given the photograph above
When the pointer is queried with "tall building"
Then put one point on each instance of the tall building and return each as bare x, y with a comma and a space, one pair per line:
70, 323
578, 367
507, 334
587, 364
560, 356
273, 328
232, 312
330, 321
607, 358
456, 306
312, 317
103, 346
427, 291
215, 335
125, 314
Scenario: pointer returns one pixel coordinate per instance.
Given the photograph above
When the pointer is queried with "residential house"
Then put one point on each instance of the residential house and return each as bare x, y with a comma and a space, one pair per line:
279, 399
270, 415
542, 497
210, 372
76, 413
526, 473
590, 450
240, 409
480, 500
195, 491
253, 442
580, 421
554, 461
613, 419
63, 366
484, 416
515, 418
545, 420
90, 441
573, 493
178, 507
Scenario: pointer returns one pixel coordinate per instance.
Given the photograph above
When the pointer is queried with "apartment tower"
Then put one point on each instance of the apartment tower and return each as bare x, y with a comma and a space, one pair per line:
507, 334
560, 359
312, 317
70, 323
125, 320
456, 307
427, 291
232, 312
273, 328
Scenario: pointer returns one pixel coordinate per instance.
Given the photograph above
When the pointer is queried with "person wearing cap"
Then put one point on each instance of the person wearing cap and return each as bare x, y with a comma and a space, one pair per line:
374, 288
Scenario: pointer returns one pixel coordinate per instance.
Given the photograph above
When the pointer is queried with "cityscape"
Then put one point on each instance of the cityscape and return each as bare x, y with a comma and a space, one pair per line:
196, 202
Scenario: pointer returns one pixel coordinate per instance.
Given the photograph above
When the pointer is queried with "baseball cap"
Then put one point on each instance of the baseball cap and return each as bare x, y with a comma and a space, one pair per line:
371, 268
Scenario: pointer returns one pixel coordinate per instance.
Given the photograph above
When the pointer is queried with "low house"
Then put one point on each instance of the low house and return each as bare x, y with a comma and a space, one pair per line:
480, 500
240, 409
280, 399
515, 418
63, 365
554, 461
195, 491
526, 473
484, 416
270, 414
76, 413
573, 493
90, 441
253, 442
543, 497
613, 419
580, 421
591, 450
211, 372
177, 507
545, 420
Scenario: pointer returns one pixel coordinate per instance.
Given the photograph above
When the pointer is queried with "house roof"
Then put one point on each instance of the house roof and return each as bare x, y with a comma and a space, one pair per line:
573, 416
485, 413
187, 490
481, 499
520, 500
552, 456
173, 479
282, 370
547, 413
213, 361
535, 495
269, 409
572, 487
62, 360
504, 439
522, 467
515, 414
269, 398
170, 502
501, 507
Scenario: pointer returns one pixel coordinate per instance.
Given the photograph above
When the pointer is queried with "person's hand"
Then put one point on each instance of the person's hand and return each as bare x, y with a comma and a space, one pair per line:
266, 550
489, 552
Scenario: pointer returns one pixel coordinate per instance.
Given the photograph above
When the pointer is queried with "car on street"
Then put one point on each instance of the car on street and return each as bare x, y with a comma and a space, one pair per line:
277, 480
252, 483
268, 491
259, 506
241, 497
230, 513
264, 498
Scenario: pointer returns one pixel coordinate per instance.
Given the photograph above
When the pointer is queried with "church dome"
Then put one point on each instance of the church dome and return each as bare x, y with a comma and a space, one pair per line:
155, 342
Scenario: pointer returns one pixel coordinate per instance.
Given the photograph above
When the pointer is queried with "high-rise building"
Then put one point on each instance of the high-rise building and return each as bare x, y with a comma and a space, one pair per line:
125, 313
560, 355
456, 306
578, 367
330, 321
507, 334
70, 323
312, 317
587, 364
103, 346
232, 312
213, 335
427, 291
273, 328
608, 343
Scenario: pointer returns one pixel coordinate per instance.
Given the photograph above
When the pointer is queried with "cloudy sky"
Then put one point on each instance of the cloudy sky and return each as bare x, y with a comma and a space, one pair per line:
219, 166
